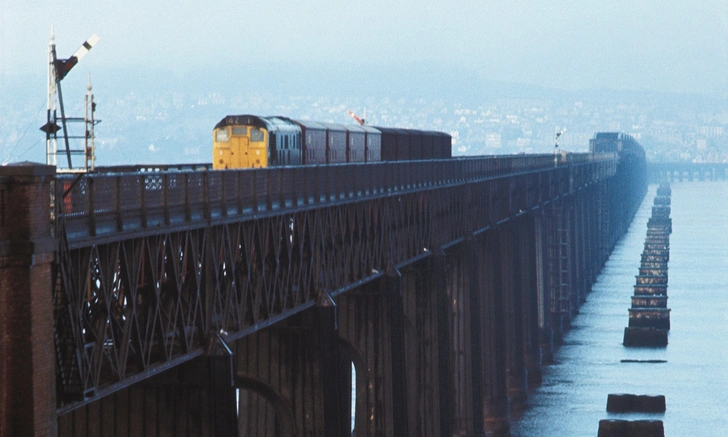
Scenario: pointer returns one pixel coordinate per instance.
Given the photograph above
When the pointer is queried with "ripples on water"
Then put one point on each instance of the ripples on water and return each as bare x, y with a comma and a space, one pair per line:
573, 396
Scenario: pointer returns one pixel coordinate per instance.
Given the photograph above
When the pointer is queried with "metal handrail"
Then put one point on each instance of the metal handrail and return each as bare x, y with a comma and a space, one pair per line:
112, 203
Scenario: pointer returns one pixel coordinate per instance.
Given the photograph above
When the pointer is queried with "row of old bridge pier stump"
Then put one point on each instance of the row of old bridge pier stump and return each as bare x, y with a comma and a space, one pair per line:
649, 317
649, 322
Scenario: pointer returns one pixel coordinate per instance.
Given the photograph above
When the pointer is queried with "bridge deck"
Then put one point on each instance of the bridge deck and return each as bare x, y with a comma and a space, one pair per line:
114, 206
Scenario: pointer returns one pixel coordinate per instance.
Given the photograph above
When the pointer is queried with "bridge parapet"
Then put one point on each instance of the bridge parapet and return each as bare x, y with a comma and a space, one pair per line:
113, 206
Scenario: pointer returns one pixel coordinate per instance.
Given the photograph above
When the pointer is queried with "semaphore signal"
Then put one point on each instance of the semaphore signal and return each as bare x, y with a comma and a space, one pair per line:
57, 70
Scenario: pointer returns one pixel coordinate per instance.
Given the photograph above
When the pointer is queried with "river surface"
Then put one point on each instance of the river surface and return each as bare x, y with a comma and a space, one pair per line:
694, 379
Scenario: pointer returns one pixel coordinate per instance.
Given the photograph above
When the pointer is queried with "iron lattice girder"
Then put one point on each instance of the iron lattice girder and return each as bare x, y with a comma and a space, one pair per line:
133, 304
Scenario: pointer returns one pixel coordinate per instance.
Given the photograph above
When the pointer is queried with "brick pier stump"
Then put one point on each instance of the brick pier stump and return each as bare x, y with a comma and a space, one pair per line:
28, 363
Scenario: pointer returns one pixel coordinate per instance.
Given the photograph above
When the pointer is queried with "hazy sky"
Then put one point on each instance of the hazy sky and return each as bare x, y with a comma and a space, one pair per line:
665, 45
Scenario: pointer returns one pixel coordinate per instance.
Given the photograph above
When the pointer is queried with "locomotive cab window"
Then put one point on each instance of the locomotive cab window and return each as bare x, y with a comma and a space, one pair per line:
240, 130
222, 136
256, 135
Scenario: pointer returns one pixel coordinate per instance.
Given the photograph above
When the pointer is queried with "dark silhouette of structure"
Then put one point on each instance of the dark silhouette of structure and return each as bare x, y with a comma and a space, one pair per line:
140, 303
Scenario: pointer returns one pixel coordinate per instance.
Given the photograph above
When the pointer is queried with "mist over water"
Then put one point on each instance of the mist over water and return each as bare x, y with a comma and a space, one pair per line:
573, 396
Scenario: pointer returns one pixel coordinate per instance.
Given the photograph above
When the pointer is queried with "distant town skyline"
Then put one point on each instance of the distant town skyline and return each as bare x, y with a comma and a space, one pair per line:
164, 72
667, 46
149, 125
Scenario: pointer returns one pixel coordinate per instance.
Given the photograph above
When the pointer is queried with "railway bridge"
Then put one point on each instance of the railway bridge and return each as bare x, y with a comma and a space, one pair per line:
190, 302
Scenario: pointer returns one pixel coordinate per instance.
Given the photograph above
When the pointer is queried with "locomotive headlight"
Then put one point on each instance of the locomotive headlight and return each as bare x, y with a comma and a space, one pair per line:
222, 136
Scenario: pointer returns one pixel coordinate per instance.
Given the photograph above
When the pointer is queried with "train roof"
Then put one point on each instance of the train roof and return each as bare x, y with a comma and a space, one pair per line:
245, 119
390, 130
361, 128
606, 135
367, 128
281, 123
334, 126
434, 133
272, 124
308, 124
395, 130
614, 136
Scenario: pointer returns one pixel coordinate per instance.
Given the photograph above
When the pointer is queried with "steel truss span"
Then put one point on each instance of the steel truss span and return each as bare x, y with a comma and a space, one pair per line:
153, 267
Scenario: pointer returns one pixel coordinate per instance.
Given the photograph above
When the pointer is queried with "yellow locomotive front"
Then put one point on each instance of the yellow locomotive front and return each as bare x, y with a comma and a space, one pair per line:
240, 142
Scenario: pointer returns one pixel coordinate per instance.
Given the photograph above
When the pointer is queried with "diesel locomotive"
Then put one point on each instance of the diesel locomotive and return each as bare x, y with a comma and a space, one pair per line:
250, 141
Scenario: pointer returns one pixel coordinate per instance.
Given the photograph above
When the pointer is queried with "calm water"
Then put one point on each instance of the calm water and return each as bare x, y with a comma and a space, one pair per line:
573, 396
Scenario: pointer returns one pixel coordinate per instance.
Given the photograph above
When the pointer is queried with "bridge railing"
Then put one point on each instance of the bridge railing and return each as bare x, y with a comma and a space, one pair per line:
111, 203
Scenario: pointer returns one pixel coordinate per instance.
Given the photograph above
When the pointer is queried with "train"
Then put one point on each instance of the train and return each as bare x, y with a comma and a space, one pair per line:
616, 142
251, 141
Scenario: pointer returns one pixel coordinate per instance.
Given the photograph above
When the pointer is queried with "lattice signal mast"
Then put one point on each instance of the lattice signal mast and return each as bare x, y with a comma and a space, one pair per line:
57, 70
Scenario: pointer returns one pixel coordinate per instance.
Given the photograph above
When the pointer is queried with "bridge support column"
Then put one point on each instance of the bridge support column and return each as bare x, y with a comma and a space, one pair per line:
496, 405
473, 259
545, 331
572, 237
211, 397
554, 272
27, 360
426, 326
194, 399
591, 235
510, 260
328, 328
527, 269
604, 222
398, 331
581, 266
393, 290
438, 281
294, 366
561, 268
595, 209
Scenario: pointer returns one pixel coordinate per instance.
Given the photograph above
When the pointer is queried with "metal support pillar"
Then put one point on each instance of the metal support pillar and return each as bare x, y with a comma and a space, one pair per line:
528, 271
593, 208
592, 267
28, 362
393, 289
473, 257
580, 259
511, 288
221, 386
291, 371
604, 223
545, 331
572, 243
330, 365
561, 268
496, 402
556, 269
444, 355
212, 380
583, 249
